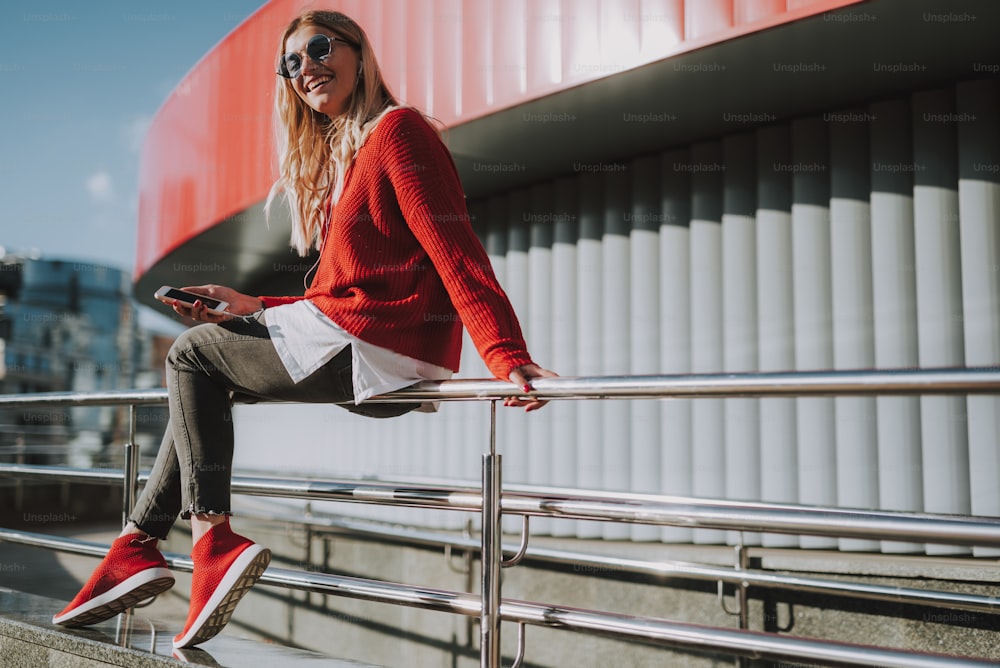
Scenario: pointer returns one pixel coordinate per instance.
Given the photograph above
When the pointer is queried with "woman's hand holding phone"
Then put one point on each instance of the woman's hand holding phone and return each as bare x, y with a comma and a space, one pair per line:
208, 303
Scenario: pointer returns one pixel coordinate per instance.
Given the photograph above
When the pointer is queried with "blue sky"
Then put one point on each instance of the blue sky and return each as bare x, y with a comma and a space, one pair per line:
81, 82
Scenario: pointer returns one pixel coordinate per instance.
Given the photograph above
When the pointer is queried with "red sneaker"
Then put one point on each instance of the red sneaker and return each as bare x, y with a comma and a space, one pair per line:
226, 566
130, 573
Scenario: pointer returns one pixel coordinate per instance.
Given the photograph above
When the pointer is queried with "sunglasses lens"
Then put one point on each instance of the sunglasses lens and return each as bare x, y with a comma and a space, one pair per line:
319, 47
290, 66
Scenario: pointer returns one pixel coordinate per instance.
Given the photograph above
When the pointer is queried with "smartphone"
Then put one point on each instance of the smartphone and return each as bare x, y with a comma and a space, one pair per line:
167, 292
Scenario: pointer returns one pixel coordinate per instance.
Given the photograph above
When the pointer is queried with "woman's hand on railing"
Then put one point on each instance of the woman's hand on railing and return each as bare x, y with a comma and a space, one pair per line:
522, 376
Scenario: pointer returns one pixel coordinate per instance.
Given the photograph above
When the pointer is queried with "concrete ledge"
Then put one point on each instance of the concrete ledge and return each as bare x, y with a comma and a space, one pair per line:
28, 639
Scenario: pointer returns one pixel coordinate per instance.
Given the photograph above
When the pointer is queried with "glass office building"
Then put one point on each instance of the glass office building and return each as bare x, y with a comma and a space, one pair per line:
66, 326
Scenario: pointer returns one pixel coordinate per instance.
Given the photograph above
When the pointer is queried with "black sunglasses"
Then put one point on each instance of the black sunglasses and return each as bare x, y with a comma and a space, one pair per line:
318, 48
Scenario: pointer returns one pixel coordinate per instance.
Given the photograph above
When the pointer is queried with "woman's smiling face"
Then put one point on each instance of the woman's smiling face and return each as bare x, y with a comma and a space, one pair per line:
325, 86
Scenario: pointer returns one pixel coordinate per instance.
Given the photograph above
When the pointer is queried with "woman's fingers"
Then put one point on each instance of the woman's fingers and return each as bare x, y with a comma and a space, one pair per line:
522, 377
198, 311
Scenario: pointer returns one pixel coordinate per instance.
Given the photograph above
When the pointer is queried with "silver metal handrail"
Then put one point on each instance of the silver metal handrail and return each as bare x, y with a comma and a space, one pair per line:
965, 380
694, 513
463, 497
662, 569
491, 504
153, 397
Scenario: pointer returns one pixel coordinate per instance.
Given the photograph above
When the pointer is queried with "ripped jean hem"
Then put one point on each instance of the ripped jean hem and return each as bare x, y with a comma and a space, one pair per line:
149, 534
193, 510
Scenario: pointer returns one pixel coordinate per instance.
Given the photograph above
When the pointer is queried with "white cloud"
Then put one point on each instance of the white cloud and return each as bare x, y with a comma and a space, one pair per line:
100, 187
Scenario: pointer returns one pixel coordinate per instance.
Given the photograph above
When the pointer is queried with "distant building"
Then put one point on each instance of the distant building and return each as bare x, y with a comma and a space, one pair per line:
71, 326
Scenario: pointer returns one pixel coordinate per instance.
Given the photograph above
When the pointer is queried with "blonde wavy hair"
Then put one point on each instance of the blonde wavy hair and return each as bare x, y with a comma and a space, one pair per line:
314, 151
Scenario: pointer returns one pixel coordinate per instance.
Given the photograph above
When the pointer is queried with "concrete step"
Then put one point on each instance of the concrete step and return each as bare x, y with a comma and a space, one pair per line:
28, 639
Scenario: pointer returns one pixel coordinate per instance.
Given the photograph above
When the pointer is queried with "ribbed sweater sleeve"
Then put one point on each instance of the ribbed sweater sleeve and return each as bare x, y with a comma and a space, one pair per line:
278, 301
432, 202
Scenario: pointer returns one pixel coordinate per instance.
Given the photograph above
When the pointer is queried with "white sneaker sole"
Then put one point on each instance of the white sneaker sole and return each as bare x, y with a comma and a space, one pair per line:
127, 594
245, 570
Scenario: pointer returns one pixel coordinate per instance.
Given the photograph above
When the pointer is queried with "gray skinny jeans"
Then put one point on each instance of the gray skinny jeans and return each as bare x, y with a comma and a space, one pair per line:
206, 367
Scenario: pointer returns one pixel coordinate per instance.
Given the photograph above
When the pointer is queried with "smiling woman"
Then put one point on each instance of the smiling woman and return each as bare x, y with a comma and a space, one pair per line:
321, 67
319, 47
371, 185
326, 100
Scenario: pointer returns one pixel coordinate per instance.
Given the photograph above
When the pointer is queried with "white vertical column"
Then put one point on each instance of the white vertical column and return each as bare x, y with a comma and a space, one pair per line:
454, 418
457, 447
380, 436
590, 337
433, 462
412, 433
563, 450
352, 463
497, 215
894, 309
467, 420
386, 436
775, 320
675, 329
347, 458
978, 108
707, 435
644, 223
475, 420
538, 332
494, 212
377, 460
813, 307
739, 315
853, 330
617, 423
513, 426
939, 303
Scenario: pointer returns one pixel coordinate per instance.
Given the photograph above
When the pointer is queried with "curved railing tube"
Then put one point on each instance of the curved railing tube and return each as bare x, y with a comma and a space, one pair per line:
602, 506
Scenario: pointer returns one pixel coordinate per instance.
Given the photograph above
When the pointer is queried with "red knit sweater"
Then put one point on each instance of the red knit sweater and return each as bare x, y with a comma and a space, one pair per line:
401, 267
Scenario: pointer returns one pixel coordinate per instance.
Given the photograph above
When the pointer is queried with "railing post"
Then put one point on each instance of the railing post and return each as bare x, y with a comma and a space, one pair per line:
743, 595
19, 458
130, 484
489, 629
